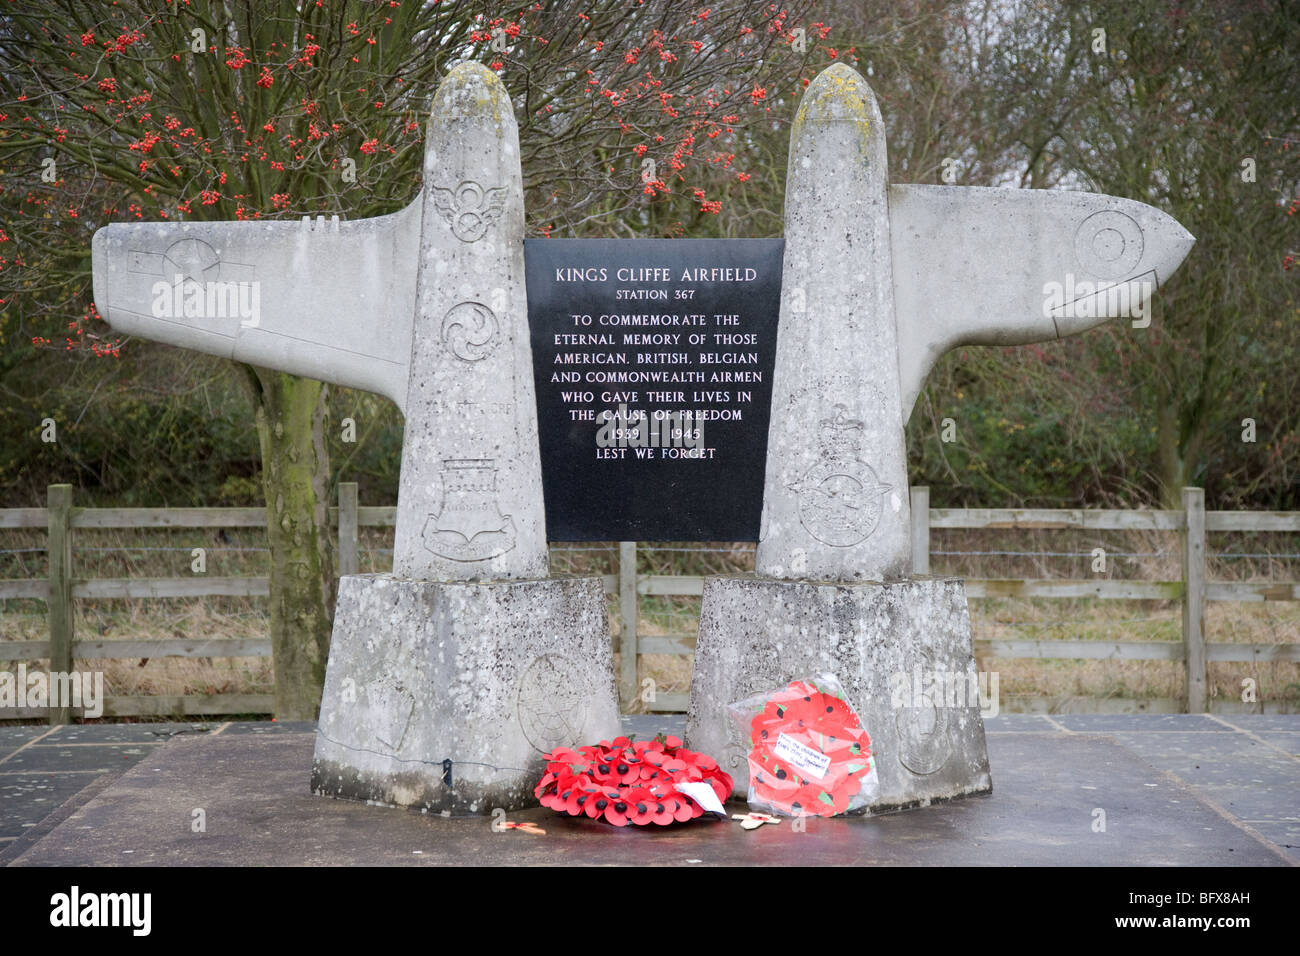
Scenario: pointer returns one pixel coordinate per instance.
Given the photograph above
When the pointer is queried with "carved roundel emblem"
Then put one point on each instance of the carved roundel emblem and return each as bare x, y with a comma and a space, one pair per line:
552, 702
1108, 244
469, 330
924, 744
924, 741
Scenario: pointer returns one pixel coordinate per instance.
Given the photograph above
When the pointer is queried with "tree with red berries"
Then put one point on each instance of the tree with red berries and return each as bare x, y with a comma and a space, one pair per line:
632, 116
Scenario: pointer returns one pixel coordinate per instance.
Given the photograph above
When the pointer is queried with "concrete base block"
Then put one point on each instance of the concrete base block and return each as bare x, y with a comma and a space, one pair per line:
902, 651
445, 696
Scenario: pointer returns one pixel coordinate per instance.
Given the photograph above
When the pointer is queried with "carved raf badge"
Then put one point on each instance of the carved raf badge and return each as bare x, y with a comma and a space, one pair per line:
840, 497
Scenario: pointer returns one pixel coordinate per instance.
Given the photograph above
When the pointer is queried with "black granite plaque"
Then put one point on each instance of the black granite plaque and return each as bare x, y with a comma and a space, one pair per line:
653, 362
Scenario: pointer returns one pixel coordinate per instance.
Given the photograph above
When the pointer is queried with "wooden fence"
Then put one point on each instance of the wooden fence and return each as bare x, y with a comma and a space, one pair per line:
62, 588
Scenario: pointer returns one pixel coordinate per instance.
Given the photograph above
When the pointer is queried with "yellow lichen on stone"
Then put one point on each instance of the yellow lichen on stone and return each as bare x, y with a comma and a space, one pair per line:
473, 89
838, 95
839, 87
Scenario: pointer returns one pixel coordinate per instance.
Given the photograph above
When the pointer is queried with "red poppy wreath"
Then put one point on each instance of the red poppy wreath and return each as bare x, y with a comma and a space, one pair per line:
809, 754
622, 782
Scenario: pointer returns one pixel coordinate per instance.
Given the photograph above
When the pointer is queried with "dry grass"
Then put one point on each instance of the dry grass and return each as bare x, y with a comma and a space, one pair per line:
1059, 554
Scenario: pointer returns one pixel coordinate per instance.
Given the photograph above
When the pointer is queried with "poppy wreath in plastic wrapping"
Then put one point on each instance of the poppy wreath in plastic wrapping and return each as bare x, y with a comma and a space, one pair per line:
623, 783
823, 722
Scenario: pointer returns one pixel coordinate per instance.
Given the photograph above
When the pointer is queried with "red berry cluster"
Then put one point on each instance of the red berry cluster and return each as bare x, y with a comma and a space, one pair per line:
624, 782
803, 715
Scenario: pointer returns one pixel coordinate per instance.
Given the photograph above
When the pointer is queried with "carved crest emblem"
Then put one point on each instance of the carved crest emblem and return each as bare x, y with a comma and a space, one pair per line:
469, 525
469, 208
390, 706
552, 705
840, 497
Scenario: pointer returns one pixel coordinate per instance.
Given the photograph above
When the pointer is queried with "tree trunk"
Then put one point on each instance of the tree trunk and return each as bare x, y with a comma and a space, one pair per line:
1182, 439
1172, 470
295, 477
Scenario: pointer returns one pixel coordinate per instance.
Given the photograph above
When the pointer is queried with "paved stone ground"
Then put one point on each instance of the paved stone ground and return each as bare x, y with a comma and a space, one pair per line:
1176, 790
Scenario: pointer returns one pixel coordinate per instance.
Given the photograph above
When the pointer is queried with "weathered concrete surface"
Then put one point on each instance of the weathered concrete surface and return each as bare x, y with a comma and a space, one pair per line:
259, 813
835, 499
892, 646
982, 266
469, 503
879, 281
329, 300
486, 676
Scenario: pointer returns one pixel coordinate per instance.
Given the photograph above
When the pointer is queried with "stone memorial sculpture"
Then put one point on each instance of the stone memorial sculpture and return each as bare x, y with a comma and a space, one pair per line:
449, 678
879, 281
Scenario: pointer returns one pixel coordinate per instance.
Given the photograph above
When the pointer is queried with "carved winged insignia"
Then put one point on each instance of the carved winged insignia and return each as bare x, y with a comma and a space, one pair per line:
469, 208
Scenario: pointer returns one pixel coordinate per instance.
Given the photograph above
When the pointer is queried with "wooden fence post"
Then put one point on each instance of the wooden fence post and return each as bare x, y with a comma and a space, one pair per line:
920, 529
59, 603
627, 613
1194, 597
348, 560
